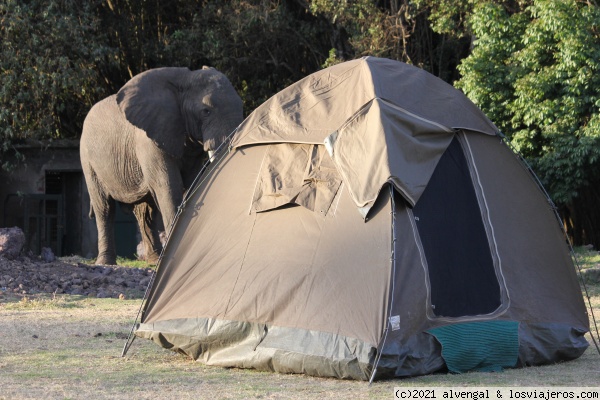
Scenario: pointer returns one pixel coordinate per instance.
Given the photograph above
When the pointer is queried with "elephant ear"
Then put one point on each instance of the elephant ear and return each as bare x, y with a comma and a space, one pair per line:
150, 102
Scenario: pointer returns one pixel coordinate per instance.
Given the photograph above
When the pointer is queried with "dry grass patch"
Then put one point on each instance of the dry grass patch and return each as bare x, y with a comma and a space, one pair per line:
69, 347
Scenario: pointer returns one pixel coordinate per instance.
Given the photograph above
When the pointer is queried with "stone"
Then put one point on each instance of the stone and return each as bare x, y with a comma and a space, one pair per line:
47, 255
120, 282
12, 241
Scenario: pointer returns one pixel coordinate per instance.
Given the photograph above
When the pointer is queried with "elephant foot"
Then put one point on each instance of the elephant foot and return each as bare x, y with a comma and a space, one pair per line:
106, 260
152, 258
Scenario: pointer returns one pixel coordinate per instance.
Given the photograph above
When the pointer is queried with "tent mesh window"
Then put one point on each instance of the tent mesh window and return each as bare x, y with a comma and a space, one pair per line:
461, 270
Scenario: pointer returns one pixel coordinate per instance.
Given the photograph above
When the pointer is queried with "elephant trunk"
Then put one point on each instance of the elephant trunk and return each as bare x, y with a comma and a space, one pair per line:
215, 136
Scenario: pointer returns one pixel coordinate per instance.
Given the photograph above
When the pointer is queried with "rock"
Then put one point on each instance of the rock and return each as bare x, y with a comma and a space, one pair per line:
12, 241
48, 255
144, 282
76, 291
34, 276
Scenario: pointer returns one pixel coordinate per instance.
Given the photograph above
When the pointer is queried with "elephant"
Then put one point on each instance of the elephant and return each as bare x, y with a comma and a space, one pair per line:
144, 146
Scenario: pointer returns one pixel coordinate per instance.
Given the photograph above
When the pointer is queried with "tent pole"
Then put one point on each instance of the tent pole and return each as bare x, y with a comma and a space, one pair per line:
562, 227
393, 278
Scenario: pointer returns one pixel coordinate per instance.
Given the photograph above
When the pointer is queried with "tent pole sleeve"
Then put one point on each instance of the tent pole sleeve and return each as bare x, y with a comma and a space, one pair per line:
392, 284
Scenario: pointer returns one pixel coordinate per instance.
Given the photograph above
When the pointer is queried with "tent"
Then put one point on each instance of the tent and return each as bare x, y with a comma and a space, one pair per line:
367, 222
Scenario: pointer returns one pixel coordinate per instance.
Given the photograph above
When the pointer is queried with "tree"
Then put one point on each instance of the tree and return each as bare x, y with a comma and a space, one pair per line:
536, 74
59, 57
47, 74
396, 29
262, 46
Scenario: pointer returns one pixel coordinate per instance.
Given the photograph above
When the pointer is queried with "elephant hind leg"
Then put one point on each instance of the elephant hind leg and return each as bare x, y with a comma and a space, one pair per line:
105, 218
145, 215
102, 208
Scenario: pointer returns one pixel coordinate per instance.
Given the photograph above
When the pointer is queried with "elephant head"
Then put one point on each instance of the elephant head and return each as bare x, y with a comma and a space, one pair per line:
174, 104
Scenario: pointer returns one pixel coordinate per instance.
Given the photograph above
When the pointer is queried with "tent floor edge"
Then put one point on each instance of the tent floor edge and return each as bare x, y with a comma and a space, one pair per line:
242, 344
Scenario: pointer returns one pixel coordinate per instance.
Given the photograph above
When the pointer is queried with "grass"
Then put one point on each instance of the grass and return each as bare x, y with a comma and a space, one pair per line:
588, 261
587, 258
68, 347
121, 262
74, 353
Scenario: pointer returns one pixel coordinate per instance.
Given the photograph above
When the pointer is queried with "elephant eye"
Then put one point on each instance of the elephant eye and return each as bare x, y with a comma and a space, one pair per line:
205, 112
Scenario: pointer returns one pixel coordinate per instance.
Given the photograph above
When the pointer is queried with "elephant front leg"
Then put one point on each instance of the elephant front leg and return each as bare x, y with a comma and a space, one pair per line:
162, 177
167, 191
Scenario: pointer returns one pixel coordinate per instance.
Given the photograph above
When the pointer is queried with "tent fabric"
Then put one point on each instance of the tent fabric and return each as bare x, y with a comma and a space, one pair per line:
264, 347
383, 143
215, 266
269, 265
314, 107
492, 345
296, 173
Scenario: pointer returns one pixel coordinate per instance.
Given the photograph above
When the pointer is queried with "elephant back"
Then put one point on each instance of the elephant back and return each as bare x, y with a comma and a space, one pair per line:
106, 119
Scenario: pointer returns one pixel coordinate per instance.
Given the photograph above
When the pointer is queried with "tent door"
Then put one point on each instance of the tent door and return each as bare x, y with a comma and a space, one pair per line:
460, 265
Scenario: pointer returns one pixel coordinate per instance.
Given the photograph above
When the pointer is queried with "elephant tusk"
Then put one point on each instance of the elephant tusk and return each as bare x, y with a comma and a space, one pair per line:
211, 155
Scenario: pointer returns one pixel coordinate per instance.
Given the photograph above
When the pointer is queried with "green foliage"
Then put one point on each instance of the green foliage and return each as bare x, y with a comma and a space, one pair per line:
447, 17
262, 46
47, 76
398, 29
452, 17
536, 75
361, 19
533, 67
59, 57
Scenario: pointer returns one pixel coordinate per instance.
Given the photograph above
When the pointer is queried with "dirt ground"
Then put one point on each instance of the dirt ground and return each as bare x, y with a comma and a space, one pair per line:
69, 347
26, 276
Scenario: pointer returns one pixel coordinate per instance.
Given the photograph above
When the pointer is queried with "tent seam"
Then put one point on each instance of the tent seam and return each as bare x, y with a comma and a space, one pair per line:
488, 218
393, 284
241, 266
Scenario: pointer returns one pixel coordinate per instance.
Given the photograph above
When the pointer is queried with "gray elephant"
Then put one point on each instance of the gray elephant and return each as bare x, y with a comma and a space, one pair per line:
144, 146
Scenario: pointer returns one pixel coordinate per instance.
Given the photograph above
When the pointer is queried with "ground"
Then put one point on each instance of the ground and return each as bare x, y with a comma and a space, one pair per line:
26, 276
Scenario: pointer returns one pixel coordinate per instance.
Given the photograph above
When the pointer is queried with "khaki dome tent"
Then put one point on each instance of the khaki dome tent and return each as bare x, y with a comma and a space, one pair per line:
368, 222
